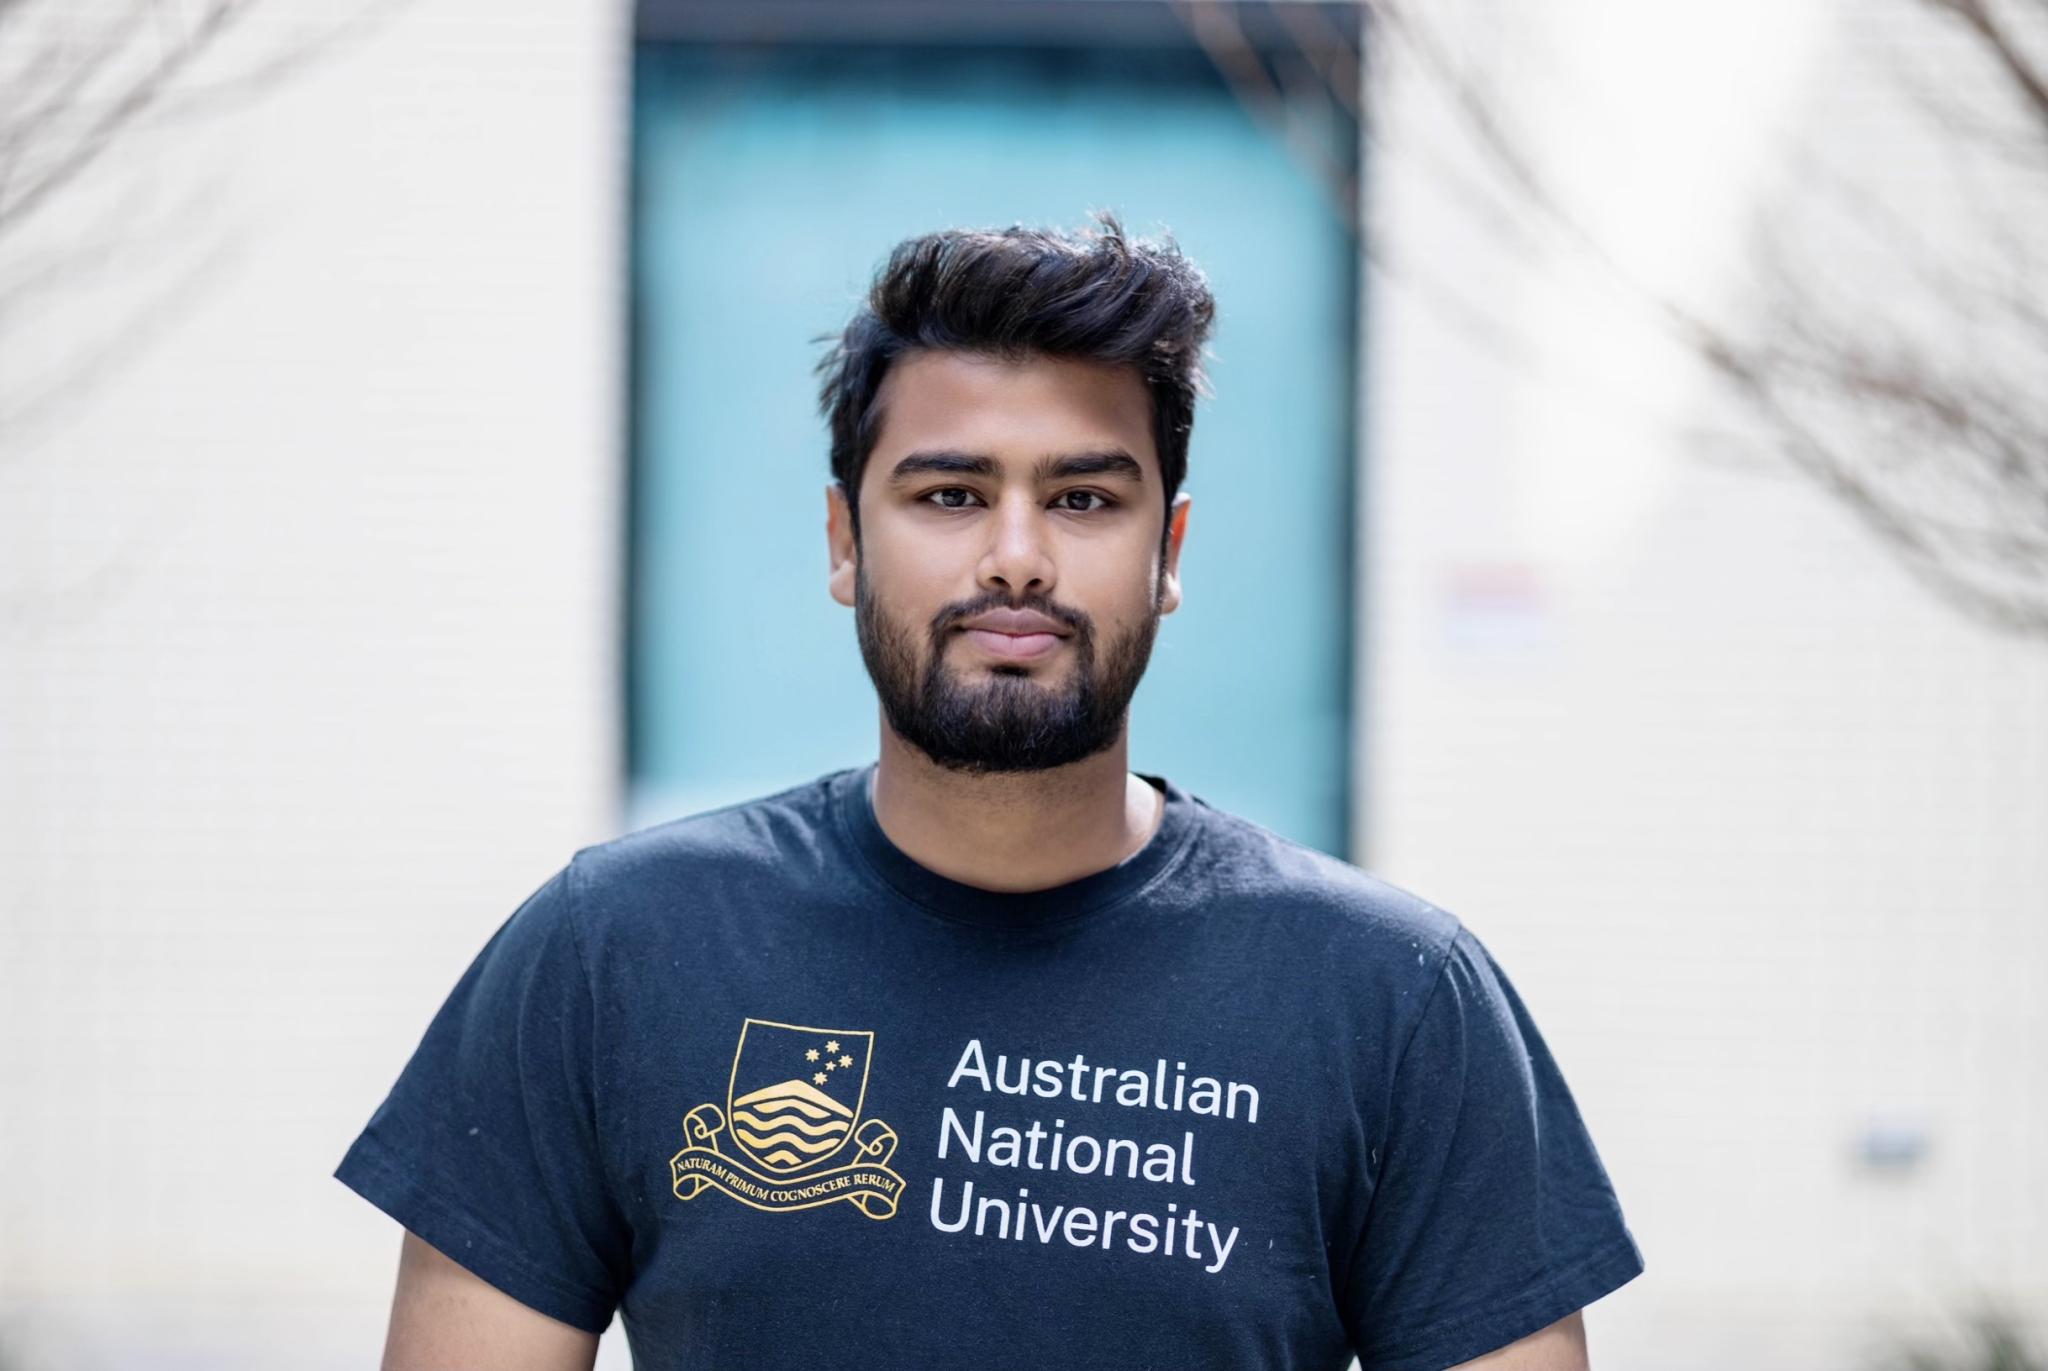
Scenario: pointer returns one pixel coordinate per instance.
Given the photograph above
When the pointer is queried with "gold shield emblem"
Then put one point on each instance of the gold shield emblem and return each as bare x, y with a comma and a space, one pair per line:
796, 1092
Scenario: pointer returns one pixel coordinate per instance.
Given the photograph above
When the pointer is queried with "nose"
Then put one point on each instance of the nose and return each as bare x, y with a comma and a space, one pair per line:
1019, 558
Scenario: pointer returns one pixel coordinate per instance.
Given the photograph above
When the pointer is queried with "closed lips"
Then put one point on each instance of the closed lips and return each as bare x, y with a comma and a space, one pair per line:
1015, 622
1012, 637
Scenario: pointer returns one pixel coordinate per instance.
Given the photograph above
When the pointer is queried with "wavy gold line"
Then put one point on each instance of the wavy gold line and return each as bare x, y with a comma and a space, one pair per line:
769, 1122
760, 1143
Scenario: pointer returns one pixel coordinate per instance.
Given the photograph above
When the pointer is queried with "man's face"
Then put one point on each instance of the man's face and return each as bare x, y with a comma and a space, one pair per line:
1001, 487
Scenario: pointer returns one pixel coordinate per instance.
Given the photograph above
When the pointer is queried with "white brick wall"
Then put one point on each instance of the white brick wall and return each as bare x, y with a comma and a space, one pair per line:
1753, 821
307, 666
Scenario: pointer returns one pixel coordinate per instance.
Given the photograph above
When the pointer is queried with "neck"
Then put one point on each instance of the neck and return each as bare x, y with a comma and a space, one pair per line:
1014, 831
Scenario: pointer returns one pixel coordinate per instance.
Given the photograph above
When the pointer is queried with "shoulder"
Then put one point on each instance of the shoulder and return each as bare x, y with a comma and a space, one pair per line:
1324, 901
683, 859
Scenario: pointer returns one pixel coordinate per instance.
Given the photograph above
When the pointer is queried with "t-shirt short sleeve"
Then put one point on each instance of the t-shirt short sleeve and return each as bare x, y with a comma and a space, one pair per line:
1491, 1216
487, 1146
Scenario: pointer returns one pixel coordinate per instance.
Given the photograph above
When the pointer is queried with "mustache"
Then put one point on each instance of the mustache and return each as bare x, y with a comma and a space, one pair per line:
947, 618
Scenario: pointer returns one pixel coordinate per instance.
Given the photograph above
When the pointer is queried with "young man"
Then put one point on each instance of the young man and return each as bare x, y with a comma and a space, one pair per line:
992, 1053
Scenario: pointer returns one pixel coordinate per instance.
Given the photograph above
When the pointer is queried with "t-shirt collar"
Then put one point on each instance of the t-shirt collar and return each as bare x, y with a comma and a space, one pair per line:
853, 804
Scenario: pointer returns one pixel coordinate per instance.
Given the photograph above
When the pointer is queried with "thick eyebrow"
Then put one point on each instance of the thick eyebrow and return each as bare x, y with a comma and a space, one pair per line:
1057, 466
1113, 462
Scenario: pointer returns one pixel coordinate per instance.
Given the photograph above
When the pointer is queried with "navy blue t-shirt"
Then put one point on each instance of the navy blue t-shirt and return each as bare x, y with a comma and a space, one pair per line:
776, 1093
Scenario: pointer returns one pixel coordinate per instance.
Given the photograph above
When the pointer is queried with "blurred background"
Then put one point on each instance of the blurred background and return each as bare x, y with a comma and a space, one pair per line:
1621, 517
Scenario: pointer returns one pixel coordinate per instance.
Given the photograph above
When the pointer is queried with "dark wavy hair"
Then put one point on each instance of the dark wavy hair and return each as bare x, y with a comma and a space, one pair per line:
1094, 295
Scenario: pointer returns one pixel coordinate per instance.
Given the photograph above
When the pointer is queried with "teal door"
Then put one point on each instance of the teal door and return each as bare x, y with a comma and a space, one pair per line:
769, 184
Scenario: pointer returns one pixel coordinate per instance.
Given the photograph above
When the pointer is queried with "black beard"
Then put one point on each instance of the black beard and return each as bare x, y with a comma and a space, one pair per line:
1013, 722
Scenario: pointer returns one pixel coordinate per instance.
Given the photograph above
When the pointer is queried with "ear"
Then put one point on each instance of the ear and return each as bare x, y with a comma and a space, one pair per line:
1177, 529
841, 553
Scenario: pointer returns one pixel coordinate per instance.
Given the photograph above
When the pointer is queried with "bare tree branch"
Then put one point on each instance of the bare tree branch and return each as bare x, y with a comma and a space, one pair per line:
1910, 391
53, 84
146, 90
1999, 41
1217, 30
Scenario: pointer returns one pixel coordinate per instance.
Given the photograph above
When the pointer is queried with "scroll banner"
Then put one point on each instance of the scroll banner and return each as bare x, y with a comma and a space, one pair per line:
866, 1183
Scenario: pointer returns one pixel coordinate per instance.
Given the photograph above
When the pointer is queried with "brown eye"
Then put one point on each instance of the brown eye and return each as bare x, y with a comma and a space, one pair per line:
947, 490
1103, 501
